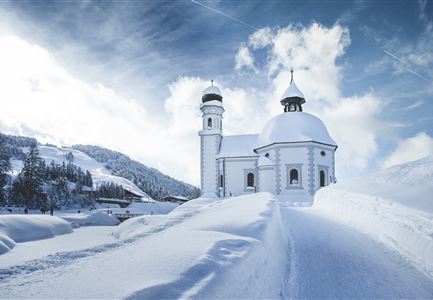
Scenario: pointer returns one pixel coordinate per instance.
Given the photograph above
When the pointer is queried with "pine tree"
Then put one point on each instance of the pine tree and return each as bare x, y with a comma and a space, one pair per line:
5, 166
27, 186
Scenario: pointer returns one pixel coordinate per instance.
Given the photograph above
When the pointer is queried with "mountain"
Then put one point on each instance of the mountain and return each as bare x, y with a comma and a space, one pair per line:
150, 180
104, 165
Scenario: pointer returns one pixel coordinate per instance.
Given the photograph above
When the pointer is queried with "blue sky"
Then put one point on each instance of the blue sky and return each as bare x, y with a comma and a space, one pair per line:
142, 64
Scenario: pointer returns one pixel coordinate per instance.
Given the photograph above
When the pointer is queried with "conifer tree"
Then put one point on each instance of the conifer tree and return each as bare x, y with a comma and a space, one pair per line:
5, 166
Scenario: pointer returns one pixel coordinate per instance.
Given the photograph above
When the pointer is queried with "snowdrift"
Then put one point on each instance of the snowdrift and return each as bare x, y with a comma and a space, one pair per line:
408, 231
24, 228
90, 218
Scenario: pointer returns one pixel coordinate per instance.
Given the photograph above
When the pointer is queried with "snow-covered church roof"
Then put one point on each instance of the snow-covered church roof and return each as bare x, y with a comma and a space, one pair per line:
212, 90
292, 92
238, 145
211, 93
294, 127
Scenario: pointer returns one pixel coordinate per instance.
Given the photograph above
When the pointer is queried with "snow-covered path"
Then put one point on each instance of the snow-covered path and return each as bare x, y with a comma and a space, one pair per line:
330, 260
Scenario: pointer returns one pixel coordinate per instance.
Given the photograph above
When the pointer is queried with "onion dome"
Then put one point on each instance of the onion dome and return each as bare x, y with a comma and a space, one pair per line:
212, 93
294, 127
292, 98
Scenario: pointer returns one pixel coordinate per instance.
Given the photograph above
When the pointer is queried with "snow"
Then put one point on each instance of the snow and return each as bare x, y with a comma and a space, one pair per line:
191, 252
264, 161
157, 207
403, 229
90, 218
40, 251
410, 184
23, 228
238, 146
294, 127
293, 91
212, 90
99, 172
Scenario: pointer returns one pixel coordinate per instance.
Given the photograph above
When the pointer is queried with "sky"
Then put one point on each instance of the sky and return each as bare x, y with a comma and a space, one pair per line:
128, 75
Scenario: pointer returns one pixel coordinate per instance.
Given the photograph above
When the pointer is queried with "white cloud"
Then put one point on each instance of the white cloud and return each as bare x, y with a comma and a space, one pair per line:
244, 59
410, 149
261, 38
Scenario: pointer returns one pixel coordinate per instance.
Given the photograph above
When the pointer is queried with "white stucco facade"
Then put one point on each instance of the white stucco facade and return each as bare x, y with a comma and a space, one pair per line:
292, 157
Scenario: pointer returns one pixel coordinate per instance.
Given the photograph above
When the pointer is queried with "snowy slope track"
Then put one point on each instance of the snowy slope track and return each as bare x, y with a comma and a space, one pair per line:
331, 260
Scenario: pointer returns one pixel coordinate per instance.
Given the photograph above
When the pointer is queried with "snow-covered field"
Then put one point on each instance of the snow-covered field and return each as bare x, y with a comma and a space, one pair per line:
349, 244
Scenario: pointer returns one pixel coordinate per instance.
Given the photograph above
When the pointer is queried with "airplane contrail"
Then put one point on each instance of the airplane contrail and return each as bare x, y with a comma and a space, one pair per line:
224, 14
407, 67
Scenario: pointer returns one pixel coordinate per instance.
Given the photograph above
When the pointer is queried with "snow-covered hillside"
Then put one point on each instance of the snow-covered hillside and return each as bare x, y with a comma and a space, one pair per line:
410, 184
99, 172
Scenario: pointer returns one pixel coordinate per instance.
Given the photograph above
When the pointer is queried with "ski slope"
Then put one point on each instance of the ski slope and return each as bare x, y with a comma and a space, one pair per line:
99, 172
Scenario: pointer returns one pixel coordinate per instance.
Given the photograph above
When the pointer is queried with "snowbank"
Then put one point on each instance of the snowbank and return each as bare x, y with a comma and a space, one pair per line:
24, 228
90, 218
409, 231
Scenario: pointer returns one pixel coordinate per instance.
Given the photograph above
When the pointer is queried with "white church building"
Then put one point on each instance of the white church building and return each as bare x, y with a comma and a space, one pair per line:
293, 156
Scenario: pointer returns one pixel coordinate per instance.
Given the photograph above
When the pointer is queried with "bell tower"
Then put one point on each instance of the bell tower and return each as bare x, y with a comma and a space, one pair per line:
293, 98
210, 138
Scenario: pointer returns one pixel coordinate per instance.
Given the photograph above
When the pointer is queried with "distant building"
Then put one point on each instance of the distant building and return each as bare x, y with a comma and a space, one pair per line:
293, 156
175, 199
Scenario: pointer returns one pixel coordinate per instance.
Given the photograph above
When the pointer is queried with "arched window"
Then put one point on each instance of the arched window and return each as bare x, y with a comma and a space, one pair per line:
322, 178
209, 123
250, 180
294, 176
221, 180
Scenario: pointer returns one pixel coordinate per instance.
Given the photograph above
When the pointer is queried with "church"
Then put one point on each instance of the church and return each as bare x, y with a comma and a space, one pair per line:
292, 157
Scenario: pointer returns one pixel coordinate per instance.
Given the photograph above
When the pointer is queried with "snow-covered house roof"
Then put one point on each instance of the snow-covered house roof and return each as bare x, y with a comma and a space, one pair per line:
294, 127
238, 146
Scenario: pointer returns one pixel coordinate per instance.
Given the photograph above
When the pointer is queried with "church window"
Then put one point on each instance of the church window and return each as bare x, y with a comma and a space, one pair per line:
323, 153
221, 180
250, 180
294, 177
267, 155
209, 123
322, 178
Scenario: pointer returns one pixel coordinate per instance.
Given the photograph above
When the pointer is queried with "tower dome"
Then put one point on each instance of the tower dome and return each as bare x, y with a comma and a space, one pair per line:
292, 98
212, 93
